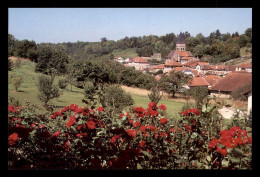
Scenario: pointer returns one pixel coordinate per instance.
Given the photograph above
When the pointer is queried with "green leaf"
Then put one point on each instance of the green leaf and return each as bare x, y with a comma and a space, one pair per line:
178, 161
194, 135
225, 163
147, 154
235, 160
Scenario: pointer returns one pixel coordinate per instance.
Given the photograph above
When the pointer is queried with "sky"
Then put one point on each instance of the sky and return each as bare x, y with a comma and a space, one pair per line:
57, 25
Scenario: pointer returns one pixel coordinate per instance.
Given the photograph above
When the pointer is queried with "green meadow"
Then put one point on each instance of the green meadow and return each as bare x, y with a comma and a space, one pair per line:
29, 91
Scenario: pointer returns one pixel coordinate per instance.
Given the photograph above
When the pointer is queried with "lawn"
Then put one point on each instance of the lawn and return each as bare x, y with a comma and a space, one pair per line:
28, 91
125, 53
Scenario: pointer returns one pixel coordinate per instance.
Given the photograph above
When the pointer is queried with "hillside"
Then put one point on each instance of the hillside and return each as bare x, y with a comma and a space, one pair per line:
28, 91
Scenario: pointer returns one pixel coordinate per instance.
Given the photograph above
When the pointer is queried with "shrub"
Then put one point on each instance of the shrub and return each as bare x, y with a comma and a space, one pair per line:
47, 90
62, 83
115, 98
10, 65
16, 80
155, 96
83, 138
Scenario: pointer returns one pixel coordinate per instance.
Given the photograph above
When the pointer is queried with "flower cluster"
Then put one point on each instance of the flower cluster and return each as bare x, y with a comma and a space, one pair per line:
190, 112
13, 109
231, 138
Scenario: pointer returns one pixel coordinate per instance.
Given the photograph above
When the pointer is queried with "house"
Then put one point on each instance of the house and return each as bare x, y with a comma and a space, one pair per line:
156, 68
184, 70
244, 67
212, 79
139, 63
248, 94
231, 82
170, 65
119, 59
191, 64
180, 54
156, 56
197, 82
202, 66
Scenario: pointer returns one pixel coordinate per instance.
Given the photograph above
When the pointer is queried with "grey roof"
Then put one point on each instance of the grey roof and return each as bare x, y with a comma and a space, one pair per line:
180, 39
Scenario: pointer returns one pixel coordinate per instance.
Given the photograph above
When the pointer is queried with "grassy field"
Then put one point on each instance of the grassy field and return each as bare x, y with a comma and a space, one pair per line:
28, 91
125, 53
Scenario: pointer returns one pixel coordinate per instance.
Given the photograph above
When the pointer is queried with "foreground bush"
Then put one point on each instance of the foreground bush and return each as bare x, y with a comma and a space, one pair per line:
83, 138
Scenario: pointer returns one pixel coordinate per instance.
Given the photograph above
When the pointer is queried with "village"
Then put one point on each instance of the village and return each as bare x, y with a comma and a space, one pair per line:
220, 80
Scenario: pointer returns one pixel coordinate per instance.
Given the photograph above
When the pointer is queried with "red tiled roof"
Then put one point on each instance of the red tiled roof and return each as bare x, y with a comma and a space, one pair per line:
233, 81
219, 67
212, 79
198, 81
231, 68
140, 60
206, 67
195, 72
191, 63
184, 53
172, 63
203, 63
158, 66
245, 65
186, 58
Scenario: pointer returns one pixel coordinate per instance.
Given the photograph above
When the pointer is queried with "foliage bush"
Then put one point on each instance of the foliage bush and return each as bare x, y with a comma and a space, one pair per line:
16, 80
47, 90
115, 99
155, 95
10, 64
83, 138
62, 83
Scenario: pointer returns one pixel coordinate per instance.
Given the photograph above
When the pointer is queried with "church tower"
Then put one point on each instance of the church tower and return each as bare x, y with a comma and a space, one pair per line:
180, 44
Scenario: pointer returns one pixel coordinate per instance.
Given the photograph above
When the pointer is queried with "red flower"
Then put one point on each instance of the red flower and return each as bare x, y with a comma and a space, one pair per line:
73, 107
142, 143
121, 115
131, 132
172, 130
152, 128
152, 104
213, 143
142, 128
66, 146
193, 111
151, 112
139, 110
163, 134
114, 138
12, 139
41, 126
163, 107
65, 109
136, 124
163, 120
188, 128
55, 135
184, 113
130, 121
100, 109
223, 152
71, 121
91, 124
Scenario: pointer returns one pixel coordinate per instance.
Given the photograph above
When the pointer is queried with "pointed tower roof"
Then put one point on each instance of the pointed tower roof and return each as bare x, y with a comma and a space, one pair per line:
180, 39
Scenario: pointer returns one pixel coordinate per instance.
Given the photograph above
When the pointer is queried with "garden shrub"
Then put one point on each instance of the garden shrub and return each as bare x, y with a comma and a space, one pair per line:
47, 90
16, 80
89, 138
62, 83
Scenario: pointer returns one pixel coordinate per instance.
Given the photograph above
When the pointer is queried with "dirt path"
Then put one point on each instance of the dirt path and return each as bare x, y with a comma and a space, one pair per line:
144, 92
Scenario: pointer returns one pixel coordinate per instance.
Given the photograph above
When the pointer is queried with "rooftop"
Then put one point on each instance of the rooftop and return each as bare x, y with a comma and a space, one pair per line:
233, 81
